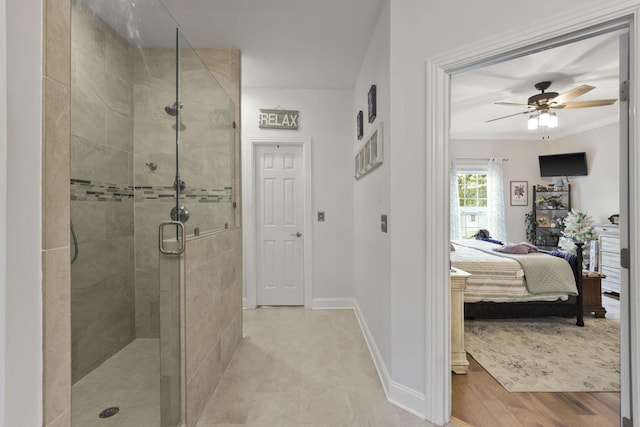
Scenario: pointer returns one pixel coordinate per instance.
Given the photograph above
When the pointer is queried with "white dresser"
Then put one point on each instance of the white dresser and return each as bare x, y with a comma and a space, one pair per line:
609, 256
458, 281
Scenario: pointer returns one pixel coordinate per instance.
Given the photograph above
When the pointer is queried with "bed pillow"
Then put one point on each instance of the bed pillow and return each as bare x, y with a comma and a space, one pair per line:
532, 248
517, 248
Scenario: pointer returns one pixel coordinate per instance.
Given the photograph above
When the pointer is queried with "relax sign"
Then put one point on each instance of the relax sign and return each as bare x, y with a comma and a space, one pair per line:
278, 119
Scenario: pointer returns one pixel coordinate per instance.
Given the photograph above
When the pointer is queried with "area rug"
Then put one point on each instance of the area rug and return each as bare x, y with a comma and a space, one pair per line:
547, 354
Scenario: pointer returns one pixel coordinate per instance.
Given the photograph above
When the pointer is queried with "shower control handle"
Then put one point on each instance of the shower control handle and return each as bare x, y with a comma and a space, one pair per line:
179, 214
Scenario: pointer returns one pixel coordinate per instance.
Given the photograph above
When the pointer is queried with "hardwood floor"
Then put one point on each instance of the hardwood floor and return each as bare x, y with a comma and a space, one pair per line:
478, 399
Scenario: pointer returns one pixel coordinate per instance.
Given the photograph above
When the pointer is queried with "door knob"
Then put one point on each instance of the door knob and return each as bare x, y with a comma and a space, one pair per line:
298, 234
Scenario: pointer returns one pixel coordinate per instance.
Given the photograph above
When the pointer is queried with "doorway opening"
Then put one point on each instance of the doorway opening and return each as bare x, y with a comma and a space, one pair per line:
439, 71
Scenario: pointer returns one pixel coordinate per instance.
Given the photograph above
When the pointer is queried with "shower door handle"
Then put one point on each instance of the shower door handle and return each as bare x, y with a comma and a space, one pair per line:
180, 238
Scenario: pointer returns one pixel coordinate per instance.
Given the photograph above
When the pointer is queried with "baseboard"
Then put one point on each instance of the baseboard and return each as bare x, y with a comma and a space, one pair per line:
408, 399
403, 397
332, 303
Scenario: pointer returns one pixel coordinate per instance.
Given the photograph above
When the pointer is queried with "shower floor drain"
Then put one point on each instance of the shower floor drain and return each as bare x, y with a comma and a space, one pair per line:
109, 412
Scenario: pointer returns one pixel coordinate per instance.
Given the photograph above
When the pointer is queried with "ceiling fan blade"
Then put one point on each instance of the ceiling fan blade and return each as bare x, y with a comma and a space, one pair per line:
571, 94
586, 104
513, 104
510, 115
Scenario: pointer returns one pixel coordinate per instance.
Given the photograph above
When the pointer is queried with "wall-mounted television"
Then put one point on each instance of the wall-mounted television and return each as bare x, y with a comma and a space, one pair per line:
569, 164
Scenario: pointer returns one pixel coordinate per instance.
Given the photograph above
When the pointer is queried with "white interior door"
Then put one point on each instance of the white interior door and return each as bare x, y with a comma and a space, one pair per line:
279, 225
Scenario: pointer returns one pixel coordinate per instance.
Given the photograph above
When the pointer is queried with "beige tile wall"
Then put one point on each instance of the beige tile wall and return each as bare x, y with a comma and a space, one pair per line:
102, 278
56, 85
226, 66
213, 314
213, 273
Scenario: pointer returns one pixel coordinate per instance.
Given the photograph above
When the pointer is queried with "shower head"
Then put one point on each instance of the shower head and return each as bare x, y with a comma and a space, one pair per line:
172, 110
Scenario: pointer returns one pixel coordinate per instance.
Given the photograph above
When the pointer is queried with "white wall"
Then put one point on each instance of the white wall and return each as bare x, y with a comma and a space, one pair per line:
23, 341
597, 193
325, 116
422, 30
371, 195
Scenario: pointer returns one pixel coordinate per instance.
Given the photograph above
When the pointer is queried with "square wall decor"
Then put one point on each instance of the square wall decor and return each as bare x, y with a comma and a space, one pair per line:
370, 155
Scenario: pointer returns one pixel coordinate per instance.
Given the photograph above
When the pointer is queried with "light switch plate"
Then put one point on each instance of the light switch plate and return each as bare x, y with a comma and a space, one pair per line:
383, 223
320, 216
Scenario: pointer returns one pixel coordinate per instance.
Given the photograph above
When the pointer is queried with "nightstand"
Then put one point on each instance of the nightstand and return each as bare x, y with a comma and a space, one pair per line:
592, 293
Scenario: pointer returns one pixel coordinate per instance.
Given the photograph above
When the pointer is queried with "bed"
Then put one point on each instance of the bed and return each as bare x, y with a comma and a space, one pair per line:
507, 285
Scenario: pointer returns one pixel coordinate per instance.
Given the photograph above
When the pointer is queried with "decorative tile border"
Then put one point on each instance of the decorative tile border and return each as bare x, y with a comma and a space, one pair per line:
84, 190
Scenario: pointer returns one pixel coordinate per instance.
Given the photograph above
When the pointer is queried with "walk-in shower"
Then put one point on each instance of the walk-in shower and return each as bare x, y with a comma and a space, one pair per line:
133, 162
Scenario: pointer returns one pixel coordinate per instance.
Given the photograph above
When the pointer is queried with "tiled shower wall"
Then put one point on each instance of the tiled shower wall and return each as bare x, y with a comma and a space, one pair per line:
213, 274
56, 84
213, 314
102, 277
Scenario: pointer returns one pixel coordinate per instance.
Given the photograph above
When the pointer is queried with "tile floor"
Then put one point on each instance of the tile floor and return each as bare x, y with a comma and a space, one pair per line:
295, 367
299, 367
129, 380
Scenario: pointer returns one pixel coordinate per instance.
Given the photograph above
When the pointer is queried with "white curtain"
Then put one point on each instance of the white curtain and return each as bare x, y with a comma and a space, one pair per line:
454, 198
495, 199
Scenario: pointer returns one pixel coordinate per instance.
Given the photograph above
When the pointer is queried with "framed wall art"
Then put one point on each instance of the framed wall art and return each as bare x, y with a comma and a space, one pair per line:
359, 125
369, 156
371, 101
519, 193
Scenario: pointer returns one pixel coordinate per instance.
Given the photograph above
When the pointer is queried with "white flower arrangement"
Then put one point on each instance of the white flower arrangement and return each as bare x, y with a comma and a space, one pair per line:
578, 227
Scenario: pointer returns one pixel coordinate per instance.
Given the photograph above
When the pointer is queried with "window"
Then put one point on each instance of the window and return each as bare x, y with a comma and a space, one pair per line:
472, 193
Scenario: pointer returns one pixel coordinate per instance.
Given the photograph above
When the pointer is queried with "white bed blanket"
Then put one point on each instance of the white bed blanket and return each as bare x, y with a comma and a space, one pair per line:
493, 278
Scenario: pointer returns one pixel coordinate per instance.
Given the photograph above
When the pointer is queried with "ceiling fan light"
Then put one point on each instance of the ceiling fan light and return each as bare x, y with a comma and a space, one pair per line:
543, 119
553, 121
532, 123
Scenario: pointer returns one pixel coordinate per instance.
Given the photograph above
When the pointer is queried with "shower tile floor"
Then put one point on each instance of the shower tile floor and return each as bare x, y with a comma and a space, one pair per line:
129, 380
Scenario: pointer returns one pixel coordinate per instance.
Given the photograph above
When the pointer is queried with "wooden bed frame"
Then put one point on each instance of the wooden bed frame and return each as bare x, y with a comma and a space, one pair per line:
504, 310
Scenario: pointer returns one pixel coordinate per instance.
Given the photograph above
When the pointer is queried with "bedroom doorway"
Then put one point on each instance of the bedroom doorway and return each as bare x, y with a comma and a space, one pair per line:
463, 146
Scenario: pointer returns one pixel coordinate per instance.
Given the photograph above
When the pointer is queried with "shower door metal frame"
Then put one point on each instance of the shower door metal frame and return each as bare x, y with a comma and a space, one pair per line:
180, 230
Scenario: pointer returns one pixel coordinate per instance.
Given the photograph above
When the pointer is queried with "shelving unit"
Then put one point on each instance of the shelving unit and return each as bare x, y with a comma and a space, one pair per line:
549, 214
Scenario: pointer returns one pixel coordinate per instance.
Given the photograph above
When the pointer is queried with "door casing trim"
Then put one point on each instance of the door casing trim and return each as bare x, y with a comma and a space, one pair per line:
438, 70
249, 216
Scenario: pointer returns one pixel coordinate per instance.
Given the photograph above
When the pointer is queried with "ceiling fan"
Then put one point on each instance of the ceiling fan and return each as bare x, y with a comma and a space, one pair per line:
538, 105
